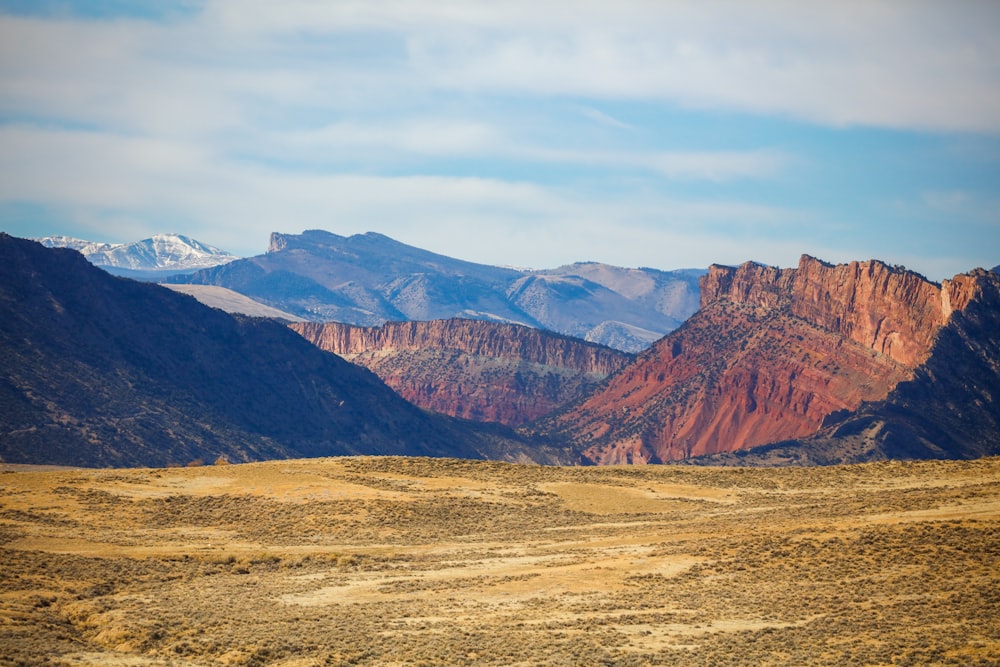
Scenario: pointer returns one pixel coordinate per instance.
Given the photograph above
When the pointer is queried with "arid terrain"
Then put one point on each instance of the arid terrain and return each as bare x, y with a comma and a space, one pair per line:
413, 561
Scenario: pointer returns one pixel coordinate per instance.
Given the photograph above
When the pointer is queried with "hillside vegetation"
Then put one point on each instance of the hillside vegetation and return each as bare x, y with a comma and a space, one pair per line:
415, 561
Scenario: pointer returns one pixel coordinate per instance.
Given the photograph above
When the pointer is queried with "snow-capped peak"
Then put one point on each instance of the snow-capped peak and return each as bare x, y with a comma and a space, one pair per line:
85, 247
161, 252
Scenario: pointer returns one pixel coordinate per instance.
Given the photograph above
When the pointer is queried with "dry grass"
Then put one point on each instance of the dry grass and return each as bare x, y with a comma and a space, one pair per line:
394, 561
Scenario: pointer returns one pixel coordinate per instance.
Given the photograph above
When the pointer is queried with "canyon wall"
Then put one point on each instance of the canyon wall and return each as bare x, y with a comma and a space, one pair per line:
483, 371
888, 309
487, 339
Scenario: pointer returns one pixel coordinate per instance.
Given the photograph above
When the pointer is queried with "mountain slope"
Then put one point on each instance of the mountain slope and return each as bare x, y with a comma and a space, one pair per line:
369, 279
768, 357
101, 371
232, 302
158, 256
484, 371
949, 409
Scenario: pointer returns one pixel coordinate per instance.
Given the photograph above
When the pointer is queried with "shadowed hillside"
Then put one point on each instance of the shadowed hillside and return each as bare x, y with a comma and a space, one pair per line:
104, 371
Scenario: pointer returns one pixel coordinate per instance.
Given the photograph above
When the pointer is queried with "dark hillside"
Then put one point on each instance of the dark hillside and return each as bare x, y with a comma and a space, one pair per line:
102, 371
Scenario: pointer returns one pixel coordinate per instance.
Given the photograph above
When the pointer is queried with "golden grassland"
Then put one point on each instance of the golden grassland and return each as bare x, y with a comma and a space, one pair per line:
408, 561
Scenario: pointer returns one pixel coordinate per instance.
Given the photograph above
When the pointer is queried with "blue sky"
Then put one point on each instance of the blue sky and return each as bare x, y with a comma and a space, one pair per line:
662, 134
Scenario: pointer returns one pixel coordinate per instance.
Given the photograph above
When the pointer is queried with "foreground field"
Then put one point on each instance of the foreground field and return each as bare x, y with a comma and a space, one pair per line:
394, 561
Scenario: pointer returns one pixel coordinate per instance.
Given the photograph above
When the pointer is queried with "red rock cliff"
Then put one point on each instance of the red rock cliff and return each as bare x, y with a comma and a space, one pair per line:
770, 354
888, 309
486, 371
487, 339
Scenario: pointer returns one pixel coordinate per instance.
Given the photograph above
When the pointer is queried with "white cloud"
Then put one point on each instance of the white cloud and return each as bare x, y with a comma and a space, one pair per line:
913, 64
393, 142
114, 181
427, 136
256, 116
910, 65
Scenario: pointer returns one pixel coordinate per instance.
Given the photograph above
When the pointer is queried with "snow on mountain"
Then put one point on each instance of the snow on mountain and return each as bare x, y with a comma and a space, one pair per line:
85, 247
161, 252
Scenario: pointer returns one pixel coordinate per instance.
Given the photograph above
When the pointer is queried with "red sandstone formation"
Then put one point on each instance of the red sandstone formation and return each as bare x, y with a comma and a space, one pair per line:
485, 371
771, 353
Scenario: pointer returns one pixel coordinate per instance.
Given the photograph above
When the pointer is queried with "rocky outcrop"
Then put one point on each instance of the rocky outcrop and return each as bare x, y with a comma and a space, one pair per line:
950, 408
768, 357
475, 337
888, 309
485, 371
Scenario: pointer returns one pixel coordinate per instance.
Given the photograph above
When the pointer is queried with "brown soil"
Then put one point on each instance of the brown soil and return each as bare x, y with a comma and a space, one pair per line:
396, 561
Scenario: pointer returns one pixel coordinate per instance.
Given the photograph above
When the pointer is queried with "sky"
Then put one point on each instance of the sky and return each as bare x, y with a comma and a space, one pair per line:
533, 134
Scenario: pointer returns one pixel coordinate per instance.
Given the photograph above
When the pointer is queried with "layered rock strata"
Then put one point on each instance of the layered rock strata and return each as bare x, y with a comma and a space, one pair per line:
770, 354
485, 371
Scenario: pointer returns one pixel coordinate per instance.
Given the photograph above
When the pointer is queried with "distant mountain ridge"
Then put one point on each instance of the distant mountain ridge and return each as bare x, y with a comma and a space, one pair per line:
100, 371
369, 279
159, 255
775, 354
485, 371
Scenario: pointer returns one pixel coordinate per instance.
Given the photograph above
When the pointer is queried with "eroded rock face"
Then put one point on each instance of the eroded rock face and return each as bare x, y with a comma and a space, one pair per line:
770, 354
888, 309
950, 409
485, 371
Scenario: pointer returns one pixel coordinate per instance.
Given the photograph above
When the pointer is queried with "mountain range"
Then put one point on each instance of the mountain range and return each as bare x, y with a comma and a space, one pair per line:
157, 257
97, 370
369, 279
816, 364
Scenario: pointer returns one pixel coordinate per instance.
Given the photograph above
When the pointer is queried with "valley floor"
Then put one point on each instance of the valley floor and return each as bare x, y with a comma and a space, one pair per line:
397, 561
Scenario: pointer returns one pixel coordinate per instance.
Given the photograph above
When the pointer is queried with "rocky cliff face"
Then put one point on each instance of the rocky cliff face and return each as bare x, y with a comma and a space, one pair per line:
770, 354
485, 371
887, 309
950, 408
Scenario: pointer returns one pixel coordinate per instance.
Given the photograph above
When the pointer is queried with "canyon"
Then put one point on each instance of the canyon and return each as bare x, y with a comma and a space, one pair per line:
771, 354
483, 371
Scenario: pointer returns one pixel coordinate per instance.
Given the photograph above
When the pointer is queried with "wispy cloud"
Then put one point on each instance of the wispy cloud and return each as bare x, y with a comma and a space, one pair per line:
473, 217
912, 65
603, 118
